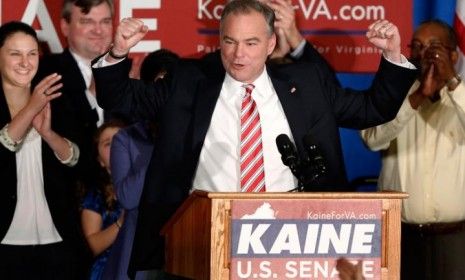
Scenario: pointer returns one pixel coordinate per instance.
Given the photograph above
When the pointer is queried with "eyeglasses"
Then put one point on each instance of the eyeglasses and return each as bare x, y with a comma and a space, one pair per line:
417, 46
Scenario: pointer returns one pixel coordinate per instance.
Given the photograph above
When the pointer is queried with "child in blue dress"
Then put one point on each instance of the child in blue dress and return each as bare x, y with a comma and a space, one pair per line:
102, 215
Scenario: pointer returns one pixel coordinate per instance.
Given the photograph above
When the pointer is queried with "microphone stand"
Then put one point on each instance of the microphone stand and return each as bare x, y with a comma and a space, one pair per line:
296, 171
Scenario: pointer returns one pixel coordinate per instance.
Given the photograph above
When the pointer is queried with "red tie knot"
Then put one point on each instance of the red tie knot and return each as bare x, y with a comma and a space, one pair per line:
248, 88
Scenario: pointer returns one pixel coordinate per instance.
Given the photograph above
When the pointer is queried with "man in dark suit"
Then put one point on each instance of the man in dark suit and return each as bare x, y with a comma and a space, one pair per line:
88, 28
198, 110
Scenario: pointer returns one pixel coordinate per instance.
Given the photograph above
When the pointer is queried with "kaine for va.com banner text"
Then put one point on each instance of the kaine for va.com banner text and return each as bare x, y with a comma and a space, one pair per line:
302, 239
190, 27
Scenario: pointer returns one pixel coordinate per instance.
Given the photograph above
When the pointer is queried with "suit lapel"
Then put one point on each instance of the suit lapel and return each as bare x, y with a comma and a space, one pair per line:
289, 96
207, 96
4, 111
76, 87
71, 69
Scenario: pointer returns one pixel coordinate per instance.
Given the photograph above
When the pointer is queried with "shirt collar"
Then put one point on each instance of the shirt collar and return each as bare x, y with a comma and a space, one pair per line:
80, 59
84, 66
262, 84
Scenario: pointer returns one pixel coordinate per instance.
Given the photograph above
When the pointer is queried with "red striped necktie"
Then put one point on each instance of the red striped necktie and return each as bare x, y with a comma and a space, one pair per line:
252, 168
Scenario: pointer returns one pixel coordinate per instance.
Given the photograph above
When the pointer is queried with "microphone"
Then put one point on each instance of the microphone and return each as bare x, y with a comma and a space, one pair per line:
310, 168
290, 158
288, 153
315, 160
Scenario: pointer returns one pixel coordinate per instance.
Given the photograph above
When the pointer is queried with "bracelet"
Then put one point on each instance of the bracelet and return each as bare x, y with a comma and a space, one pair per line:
6, 140
113, 55
73, 158
117, 224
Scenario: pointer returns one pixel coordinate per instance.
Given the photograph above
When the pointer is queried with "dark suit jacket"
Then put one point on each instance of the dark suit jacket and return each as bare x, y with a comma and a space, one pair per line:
74, 106
183, 105
58, 188
131, 150
311, 55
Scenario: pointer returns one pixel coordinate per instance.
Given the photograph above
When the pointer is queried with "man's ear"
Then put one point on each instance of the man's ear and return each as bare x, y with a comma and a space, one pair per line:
64, 26
271, 44
454, 56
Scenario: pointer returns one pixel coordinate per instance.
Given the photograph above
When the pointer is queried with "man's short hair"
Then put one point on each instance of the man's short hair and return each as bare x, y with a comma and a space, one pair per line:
158, 62
85, 5
238, 7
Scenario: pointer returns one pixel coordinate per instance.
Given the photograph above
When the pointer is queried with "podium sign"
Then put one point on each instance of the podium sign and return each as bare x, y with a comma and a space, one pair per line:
222, 236
302, 239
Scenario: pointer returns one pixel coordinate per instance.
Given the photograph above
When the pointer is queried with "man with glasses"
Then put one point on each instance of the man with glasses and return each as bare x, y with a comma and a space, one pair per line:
424, 155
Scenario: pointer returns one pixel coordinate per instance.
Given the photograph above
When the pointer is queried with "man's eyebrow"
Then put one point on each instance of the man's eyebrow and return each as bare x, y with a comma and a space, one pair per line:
226, 37
254, 39
247, 40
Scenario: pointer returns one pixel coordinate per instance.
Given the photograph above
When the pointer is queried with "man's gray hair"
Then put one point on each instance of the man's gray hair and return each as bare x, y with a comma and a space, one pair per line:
237, 7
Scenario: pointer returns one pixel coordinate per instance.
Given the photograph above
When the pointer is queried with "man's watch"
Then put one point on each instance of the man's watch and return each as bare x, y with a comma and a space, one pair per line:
112, 54
453, 82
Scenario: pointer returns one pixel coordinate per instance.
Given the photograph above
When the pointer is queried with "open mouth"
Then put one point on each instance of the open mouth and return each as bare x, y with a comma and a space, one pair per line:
23, 72
238, 65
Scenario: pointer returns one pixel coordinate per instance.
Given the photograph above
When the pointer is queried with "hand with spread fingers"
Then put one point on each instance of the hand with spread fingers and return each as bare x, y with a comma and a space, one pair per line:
44, 92
385, 35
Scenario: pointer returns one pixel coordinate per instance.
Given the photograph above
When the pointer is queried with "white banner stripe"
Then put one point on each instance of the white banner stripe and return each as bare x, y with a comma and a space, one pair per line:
460, 10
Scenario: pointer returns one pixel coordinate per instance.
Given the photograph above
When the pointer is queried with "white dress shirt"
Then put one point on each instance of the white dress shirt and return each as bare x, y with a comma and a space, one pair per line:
425, 157
86, 70
218, 169
32, 222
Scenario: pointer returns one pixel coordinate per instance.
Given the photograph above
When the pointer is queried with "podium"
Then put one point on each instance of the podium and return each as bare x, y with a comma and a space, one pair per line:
283, 235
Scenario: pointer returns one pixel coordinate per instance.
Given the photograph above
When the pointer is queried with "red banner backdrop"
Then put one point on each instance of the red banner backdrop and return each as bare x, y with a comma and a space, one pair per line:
190, 27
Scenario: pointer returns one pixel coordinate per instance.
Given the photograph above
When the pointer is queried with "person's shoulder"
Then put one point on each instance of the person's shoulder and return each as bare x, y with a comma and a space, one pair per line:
199, 68
294, 68
140, 131
56, 57
54, 61
93, 200
137, 130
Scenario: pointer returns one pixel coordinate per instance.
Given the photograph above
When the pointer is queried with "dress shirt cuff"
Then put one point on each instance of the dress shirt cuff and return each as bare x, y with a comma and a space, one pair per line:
299, 51
6, 140
102, 62
403, 62
74, 154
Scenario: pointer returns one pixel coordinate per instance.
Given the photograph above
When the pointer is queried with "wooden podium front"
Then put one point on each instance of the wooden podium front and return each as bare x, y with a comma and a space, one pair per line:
198, 236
